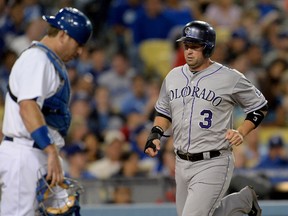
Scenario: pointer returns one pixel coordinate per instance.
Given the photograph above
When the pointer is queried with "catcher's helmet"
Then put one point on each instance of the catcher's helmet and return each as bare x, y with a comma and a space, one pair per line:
200, 32
73, 22
60, 200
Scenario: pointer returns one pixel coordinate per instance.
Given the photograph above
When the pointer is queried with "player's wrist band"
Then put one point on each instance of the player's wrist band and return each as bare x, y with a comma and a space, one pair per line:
157, 130
257, 116
156, 133
42, 137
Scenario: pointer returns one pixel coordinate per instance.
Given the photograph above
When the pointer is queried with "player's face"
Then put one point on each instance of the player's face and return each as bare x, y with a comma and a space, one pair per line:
71, 49
193, 53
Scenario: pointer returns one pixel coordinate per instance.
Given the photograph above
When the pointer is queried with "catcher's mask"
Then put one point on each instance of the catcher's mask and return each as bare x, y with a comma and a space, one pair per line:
62, 199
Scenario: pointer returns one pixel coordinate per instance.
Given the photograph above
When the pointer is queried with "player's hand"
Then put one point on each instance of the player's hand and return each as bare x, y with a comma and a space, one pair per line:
151, 151
234, 137
54, 167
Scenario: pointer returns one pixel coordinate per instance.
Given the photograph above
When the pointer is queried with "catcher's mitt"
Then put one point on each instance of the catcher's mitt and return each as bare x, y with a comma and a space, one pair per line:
62, 199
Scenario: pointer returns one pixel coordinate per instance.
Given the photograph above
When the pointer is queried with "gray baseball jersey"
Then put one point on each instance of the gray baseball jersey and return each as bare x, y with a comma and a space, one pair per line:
201, 106
207, 99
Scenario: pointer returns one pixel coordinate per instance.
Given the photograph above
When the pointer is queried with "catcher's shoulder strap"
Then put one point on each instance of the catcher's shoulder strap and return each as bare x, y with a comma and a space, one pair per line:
58, 64
14, 98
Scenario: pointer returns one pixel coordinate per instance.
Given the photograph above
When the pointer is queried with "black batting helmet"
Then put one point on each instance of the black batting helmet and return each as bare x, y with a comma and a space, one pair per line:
200, 32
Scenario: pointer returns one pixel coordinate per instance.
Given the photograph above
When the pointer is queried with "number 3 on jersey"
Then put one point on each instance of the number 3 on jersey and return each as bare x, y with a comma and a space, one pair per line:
207, 121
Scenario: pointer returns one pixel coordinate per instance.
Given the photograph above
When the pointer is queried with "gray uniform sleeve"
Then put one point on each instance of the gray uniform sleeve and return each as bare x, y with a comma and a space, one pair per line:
248, 96
162, 104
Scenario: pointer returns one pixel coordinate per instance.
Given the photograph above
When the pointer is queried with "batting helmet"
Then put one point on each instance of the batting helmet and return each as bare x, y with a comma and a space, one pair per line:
200, 32
73, 22
60, 200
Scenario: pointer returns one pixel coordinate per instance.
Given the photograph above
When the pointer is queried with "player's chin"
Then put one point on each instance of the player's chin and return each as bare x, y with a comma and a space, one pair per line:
69, 58
191, 61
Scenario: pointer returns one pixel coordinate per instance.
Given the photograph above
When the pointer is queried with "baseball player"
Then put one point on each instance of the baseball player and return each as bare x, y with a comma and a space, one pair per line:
36, 111
197, 100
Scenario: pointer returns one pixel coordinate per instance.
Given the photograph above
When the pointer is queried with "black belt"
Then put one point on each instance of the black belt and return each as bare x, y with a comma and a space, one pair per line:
198, 156
11, 139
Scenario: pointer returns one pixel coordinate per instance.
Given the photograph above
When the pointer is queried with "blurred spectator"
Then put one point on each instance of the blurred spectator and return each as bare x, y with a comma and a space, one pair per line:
121, 18
284, 89
269, 33
120, 75
136, 101
237, 45
179, 12
138, 139
250, 22
220, 53
255, 57
99, 64
72, 74
110, 164
77, 130
276, 156
34, 30
223, 13
98, 12
80, 105
3, 7
281, 46
274, 165
7, 61
12, 24
83, 63
153, 90
33, 10
121, 195
132, 121
130, 166
248, 155
84, 85
93, 147
179, 58
2, 104
76, 157
265, 7
152, 22
240, 63
243, 64
270, 85
103, 117
168, 159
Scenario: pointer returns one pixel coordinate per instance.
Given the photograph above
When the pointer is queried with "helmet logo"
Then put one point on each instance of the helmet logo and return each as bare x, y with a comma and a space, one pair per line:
189, 31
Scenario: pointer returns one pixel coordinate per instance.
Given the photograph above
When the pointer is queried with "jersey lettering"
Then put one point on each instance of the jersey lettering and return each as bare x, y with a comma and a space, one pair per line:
205, 94
207, 119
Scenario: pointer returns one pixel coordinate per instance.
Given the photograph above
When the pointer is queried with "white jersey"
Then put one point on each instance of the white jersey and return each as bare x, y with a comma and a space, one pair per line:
38, 80
207, 97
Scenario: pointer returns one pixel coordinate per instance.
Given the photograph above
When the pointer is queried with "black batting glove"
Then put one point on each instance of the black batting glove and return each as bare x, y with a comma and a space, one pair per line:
156, 133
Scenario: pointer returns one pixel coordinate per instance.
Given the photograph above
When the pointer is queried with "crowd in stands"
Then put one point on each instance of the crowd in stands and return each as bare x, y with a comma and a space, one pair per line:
114, 90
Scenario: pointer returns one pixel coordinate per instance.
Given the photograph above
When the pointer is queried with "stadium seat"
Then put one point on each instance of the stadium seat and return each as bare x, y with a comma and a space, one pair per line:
157, 56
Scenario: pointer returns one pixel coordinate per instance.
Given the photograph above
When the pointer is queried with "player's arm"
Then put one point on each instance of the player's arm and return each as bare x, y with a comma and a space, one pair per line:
252, 120
161, 124
34, 122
